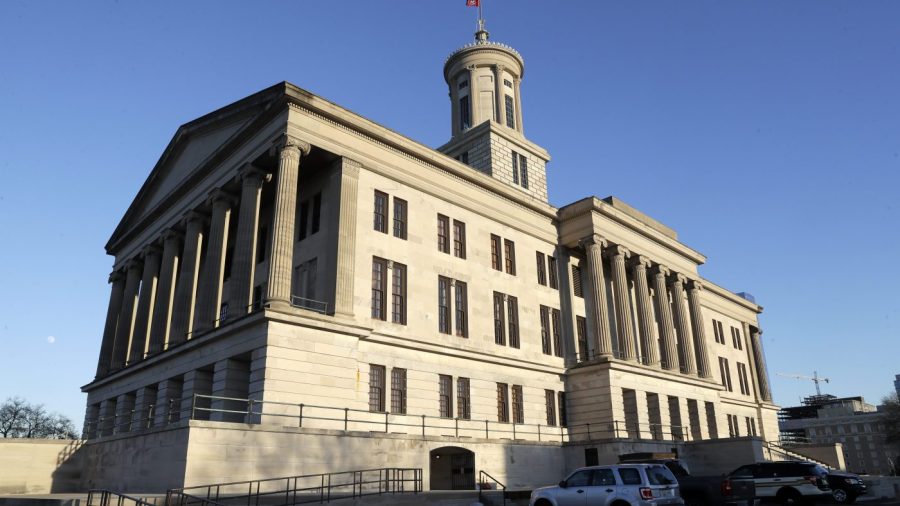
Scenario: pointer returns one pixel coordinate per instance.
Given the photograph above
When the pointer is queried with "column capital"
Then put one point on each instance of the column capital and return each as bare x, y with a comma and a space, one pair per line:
695, 285
677, 277
170, 234
194, 216
288, 145
116, 275
660, 270
618, 250
134, 263
218, 195
249, 173
640, 261
593, 239
151, 249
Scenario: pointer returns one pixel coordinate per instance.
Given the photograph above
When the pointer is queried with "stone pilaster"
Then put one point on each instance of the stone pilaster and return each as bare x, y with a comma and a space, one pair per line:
700, 345
346, 247
499, 100
91, 428
231, 378
624, 324
145, 305
168, 402
762, 374
284, 216
186, 286
474, 110
126, 315
519, 125
124, 413
669, 348
165, 293
107, 420
144, 408
600, 342
112, 317
646, 325
243, 267
683, 324
197, 382
209, 293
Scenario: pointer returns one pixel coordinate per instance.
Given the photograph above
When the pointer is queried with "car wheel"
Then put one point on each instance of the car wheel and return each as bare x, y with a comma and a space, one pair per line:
542, 502
840, 496
789, 496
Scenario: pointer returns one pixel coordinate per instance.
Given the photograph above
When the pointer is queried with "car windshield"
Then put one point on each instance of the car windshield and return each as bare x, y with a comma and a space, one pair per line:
821, 471
660, 475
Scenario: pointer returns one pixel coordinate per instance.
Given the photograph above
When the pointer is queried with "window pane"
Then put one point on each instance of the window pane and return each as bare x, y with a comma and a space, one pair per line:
550, 402
399, 218
561, 400
523, 168
462, 398
499, 323
541, 269
630, 476
464, 113
576, 281
495, 253
459, 239
376, 387
515, 168
398, 294
551, 270
379, 286
381, 212
581, 330
518, 405
510, 251
445, 389
443, 234
512, 304
545, 330
557, 332
502, 402
443, 305
398, 391
462, 329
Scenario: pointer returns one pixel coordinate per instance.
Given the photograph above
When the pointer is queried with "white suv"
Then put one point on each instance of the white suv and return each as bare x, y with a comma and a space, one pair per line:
787, 482
625, 484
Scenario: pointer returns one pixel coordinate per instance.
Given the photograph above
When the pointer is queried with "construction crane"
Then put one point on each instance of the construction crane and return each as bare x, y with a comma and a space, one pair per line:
815, 378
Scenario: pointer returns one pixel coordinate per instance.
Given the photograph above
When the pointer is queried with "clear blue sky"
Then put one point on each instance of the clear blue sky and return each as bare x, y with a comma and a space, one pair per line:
766, 133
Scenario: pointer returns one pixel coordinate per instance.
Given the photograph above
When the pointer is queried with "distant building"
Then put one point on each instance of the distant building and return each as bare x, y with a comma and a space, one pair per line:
897, 384
851, 421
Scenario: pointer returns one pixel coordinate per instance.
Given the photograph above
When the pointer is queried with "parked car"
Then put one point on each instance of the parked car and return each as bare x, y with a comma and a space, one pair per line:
632, 484
786, 482
701, 490
846, 487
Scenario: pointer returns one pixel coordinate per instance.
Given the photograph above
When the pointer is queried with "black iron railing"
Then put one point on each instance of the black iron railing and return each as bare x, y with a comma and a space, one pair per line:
484, 484
99, 497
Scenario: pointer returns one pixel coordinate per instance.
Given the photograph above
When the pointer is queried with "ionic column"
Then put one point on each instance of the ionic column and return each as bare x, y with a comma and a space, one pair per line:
500, 110
165, 293
519, 126
243, 267
624, 323
112, 317
682, 322
282, 251
600, 340
762, 374
699, 331
649, 339
346, 238
145, 305
669, 350
186, 286
126, 315
474, 116
209, 293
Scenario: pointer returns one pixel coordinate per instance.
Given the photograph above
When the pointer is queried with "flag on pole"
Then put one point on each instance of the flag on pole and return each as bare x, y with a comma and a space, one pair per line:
473, 3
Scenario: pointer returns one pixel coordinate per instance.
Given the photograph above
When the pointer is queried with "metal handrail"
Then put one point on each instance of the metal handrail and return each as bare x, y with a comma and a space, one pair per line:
482, 482
110, 498
790, 454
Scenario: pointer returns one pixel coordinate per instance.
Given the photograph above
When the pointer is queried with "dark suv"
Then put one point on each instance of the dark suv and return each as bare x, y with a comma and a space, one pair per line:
787, 482
845, 487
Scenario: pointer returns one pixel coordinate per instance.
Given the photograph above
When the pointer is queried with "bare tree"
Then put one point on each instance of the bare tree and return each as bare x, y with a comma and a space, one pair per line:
19, 419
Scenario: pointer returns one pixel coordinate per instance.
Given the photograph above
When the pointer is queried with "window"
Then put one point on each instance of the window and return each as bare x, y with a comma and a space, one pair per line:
576, 282
515, 167
459, 239
518, 405
512, 310
464, 113
496, 257
398, 294
376, 388
510, 112
463, 84
556, 318
499, 320
302, 220
316, 213
553, 275
630, 476
523, 169
742, 378
379, 287
507, 83
561, 400
718, 332
304, 281
734, 429
545, 330
509, 249
541, 269
398, 391
463, 406
464, 157
725, 371
581, 331
381, 203
502, 402
751, 426
550, 402
399, 218
223, 312
443, 305
445, 389
462, 303
736, 338
443, 235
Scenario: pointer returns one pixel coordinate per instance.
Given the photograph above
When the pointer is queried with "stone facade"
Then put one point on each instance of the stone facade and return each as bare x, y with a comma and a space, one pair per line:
287, 257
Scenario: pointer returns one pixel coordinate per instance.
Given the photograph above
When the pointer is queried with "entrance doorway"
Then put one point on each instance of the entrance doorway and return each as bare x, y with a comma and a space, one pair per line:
452, 468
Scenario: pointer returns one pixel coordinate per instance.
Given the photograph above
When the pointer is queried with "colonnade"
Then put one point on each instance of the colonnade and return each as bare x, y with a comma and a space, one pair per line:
165, 295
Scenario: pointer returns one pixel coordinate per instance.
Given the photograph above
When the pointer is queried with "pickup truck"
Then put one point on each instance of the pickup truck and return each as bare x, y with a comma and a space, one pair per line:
702, 490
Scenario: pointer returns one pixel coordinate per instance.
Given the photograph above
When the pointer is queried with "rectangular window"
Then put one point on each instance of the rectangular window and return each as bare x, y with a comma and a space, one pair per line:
443, 235
398, 294
576, 282
507, 83
552, 274
459, 239
443, 305
581, 332
398, 391
512, 307
510, 112
376, 388
302, 220
719, 332
751, 426
464, 157
464, 113
499, 320
379, 288
541, 269
304, 282
509, 249
463, 84
550, 403
446, 389
726, 373
463, 406
742, 378
462, 304
515, 167
381, 204
545, 330
556, 321
523, 169
316, 213
561, 400
736, 338
496, 257
502, 402
518, 405
711, 420
399, 218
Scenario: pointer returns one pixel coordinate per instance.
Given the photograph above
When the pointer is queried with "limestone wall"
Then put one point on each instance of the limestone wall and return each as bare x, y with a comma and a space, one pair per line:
39, 466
